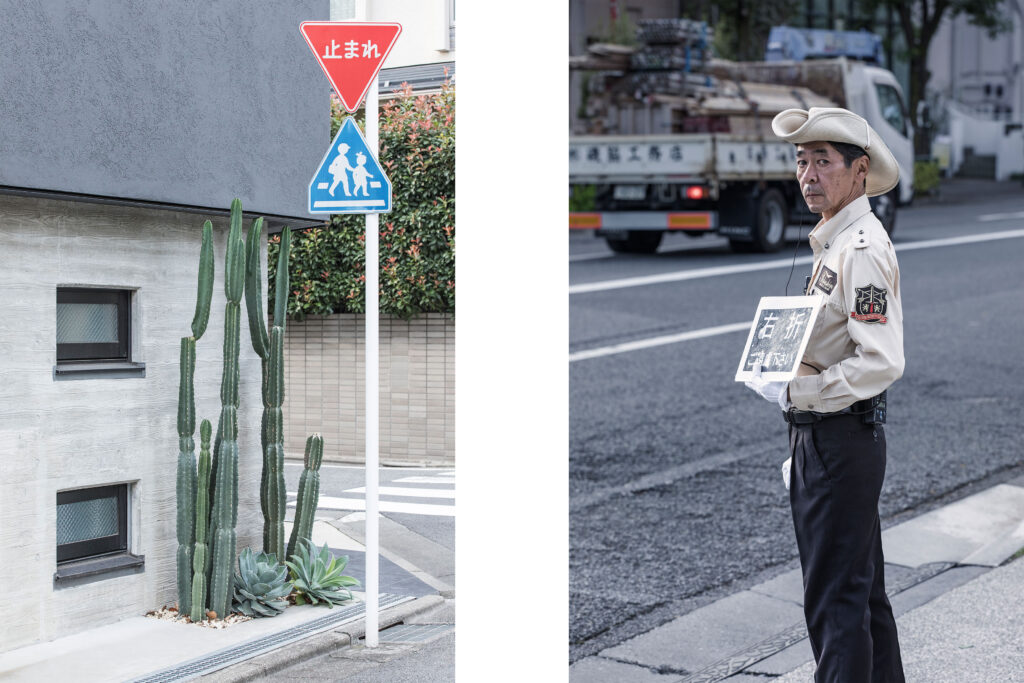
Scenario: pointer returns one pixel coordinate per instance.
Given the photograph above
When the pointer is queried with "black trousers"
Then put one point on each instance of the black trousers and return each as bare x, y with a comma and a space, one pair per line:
836, 477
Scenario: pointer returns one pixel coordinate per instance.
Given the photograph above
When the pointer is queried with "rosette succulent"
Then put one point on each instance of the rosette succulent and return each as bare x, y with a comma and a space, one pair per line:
317, 575
261, 585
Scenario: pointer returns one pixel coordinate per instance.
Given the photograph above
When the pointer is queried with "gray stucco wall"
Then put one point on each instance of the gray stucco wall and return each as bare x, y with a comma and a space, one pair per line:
190, 103
60, 435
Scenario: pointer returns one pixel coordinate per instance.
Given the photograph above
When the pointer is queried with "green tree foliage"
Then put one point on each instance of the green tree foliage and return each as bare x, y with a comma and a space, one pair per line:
919, 20
417, 239
742, 26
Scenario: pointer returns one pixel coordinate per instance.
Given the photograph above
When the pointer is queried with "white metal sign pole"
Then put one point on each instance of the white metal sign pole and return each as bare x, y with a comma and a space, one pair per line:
372, 361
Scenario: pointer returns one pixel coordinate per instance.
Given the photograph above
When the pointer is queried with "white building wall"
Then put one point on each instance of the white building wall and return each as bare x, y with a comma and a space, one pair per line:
425, 37
982, 80
58, 435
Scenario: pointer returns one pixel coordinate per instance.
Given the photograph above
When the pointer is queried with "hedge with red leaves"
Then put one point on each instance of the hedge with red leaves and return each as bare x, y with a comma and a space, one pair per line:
417, 238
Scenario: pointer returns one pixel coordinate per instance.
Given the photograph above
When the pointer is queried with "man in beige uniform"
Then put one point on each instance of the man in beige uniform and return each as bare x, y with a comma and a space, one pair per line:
836, 437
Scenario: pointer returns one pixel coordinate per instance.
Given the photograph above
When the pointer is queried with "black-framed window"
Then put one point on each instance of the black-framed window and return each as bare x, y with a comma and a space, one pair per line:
93, 325
92, 522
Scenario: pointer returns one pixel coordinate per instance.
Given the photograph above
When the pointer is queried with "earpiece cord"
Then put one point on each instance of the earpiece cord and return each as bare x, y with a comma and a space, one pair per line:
795, 251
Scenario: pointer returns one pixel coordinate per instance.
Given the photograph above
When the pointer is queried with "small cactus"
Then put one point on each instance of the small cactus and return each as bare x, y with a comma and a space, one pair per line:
309, 493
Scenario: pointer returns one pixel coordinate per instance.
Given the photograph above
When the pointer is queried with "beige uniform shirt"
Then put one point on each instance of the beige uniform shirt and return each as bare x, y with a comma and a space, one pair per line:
856, 346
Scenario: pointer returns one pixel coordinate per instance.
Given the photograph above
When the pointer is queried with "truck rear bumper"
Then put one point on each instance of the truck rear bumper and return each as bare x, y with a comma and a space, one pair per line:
690, 221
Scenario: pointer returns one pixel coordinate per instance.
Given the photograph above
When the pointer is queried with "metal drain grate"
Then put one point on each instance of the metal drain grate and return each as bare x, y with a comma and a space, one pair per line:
414, 633
249, 649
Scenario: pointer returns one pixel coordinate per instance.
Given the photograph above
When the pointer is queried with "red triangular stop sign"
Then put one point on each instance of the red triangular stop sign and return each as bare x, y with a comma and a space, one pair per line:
350, 53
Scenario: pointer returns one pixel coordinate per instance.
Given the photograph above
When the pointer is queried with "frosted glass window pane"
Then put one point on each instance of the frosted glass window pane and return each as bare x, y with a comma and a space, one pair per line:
87, 323
86, 520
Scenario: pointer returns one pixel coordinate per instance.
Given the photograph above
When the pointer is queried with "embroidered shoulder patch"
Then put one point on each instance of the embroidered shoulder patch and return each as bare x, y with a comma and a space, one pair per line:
870, 305
826, 280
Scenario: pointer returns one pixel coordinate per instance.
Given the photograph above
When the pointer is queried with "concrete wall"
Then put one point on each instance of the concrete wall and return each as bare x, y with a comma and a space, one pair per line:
58, 435
326, 382
190, 103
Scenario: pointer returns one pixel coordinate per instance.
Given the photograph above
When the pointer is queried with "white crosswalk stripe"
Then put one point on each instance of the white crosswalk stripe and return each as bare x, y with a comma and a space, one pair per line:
437, 493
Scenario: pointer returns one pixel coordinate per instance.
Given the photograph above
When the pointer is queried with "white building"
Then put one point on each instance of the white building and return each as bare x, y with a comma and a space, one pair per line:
980, 82
424, 56
121, 133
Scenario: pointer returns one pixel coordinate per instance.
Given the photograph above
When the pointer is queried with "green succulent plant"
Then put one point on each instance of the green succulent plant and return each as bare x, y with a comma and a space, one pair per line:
317, 575
261, 585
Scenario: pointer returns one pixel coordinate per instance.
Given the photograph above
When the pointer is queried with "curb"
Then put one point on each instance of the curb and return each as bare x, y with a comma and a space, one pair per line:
321, 643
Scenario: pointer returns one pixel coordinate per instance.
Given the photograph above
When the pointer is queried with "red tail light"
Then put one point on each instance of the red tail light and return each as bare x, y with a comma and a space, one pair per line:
695, 192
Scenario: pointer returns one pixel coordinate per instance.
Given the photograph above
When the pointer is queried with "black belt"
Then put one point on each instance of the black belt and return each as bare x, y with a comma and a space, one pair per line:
805, 417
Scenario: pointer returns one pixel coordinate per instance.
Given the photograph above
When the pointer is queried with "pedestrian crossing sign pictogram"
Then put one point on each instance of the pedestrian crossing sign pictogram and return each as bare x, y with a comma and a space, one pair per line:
349, 179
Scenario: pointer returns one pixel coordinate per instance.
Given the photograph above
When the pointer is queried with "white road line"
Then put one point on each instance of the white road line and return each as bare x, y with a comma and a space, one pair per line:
658, 341
966, 239
698, 273
407, 492
736, 327
679, 276
591, 257
423, 480
1000, 216
338, 503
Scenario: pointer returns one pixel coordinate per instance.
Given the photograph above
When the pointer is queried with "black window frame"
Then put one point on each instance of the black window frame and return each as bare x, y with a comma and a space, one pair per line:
83, 353
96, 547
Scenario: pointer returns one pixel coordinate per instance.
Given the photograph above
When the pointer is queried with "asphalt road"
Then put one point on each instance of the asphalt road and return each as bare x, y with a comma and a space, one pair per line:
342, 481
675, 492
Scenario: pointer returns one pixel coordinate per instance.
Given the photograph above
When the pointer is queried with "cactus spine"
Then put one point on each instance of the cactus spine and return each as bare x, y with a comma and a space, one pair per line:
270, 348
200, 559
309, 492
186, 471
224, 514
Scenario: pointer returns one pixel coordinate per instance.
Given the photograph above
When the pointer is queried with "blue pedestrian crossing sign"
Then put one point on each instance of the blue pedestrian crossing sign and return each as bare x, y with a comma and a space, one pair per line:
349, 179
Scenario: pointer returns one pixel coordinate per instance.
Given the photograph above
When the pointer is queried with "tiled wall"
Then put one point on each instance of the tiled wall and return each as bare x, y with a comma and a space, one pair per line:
325, 381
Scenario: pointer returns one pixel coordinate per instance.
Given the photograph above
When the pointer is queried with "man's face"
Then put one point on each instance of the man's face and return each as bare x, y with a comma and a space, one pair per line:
825, 182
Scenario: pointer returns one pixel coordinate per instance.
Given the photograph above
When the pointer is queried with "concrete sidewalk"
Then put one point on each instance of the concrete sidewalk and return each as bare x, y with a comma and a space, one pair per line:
970, 635
967, 190
956, 613
415, 608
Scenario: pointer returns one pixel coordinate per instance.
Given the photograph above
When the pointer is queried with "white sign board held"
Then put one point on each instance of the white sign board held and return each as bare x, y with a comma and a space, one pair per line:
778, 337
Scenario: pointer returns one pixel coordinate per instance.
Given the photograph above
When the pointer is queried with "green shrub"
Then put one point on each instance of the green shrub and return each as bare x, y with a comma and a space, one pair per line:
582, 197
926, 176
417, 239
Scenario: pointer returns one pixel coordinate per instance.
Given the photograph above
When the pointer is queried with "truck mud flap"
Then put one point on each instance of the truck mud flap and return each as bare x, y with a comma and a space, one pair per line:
736, 232
736, 215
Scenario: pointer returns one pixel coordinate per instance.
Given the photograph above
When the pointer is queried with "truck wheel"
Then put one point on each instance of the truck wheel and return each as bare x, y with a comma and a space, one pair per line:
884, 207
636, 242
770, 222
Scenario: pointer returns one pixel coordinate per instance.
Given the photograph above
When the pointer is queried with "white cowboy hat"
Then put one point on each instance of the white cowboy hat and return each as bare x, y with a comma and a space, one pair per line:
829, 124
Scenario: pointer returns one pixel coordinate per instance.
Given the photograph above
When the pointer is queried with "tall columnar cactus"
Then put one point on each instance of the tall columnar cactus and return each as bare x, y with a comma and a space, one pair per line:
270, 348
200, 560
186, 471
224, 514
309, 492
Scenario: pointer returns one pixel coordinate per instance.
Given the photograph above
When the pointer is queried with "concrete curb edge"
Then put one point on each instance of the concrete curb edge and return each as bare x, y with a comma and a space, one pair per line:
318, 644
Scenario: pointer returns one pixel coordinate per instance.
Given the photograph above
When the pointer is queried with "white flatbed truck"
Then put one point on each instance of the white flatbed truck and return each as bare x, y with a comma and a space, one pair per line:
741, 186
